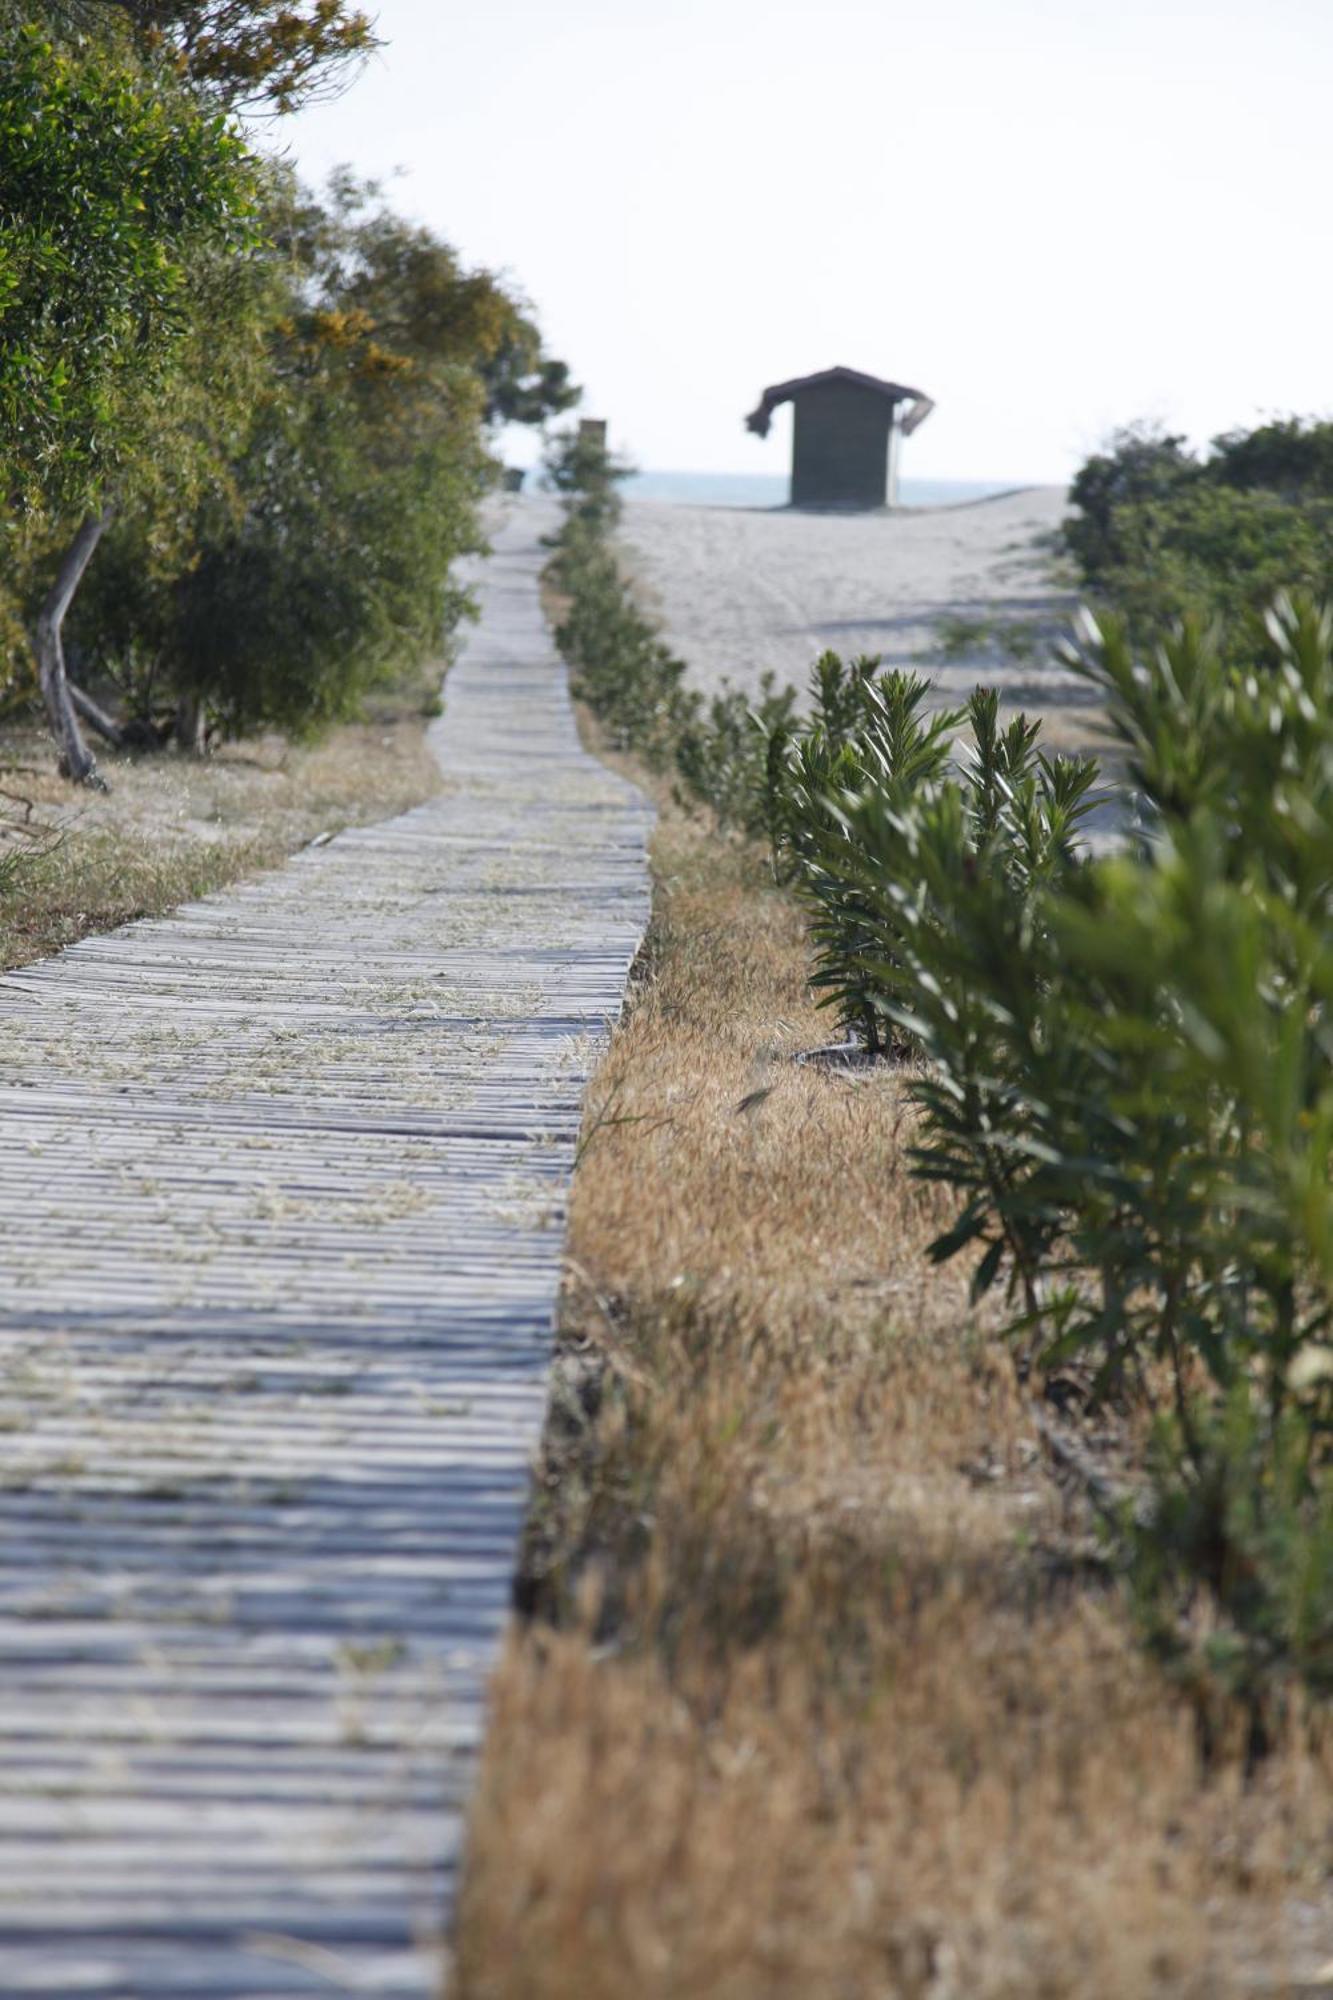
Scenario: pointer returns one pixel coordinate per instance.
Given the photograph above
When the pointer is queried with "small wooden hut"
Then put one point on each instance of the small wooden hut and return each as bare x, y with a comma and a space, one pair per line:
845, 433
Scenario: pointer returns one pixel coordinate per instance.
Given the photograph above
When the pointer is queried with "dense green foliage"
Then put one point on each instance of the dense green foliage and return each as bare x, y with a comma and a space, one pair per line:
1123, 1066
318, 560
1161, 534
112, 182
244, 433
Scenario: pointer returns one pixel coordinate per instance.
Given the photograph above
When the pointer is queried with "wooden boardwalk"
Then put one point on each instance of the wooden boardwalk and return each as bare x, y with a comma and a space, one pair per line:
281, 1199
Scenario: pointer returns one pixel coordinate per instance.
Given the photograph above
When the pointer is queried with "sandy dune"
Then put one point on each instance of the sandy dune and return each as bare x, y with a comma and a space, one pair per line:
742, 590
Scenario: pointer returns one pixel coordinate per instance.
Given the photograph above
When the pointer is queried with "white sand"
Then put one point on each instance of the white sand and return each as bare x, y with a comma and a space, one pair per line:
740, 590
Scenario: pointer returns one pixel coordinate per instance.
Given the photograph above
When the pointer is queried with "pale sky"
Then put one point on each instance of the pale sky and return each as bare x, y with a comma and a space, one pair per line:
1053, 216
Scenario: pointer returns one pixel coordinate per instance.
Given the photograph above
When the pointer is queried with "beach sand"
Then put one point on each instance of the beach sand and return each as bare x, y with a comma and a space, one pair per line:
742, 590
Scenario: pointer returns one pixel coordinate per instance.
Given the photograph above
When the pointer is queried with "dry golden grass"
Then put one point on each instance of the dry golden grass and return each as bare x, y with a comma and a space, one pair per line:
73, 862
828, 1693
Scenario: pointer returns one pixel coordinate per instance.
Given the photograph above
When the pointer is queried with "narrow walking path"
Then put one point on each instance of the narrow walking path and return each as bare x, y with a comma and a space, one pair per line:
281, 1200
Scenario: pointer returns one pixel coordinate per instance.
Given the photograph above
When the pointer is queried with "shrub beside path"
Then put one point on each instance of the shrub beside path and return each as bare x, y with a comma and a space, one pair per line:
282, 1184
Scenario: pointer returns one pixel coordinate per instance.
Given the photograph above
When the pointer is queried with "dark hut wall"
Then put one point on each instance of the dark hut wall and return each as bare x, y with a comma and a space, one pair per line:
840, 446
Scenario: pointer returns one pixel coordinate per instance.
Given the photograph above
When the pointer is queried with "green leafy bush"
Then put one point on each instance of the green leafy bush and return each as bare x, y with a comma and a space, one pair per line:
1162, 535
728, 753
1140, 467
869, 738
1127, 1060
578, 467
1290, 457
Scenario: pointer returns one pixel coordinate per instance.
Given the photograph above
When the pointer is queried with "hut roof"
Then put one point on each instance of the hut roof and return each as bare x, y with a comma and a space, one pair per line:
760, 418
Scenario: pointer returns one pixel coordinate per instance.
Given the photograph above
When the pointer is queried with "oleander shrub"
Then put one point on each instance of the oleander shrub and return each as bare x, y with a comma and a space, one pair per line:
729, 753
869, 749
1123, 1065
1126, 1079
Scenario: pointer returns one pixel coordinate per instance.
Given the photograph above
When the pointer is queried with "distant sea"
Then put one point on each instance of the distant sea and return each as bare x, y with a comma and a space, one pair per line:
769, 489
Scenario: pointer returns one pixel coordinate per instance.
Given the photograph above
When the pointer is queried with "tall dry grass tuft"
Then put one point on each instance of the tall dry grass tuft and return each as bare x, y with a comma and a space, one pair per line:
830, 1692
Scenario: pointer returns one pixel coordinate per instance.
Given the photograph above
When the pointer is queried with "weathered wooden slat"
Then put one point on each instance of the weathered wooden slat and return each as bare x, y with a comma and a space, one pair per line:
282, 1186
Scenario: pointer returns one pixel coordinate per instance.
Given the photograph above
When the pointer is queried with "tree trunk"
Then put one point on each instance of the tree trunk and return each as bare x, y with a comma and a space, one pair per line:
96, 718
191, 726
76, 760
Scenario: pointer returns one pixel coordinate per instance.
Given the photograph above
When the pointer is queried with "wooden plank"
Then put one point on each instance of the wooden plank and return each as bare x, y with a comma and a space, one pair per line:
282, 1185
